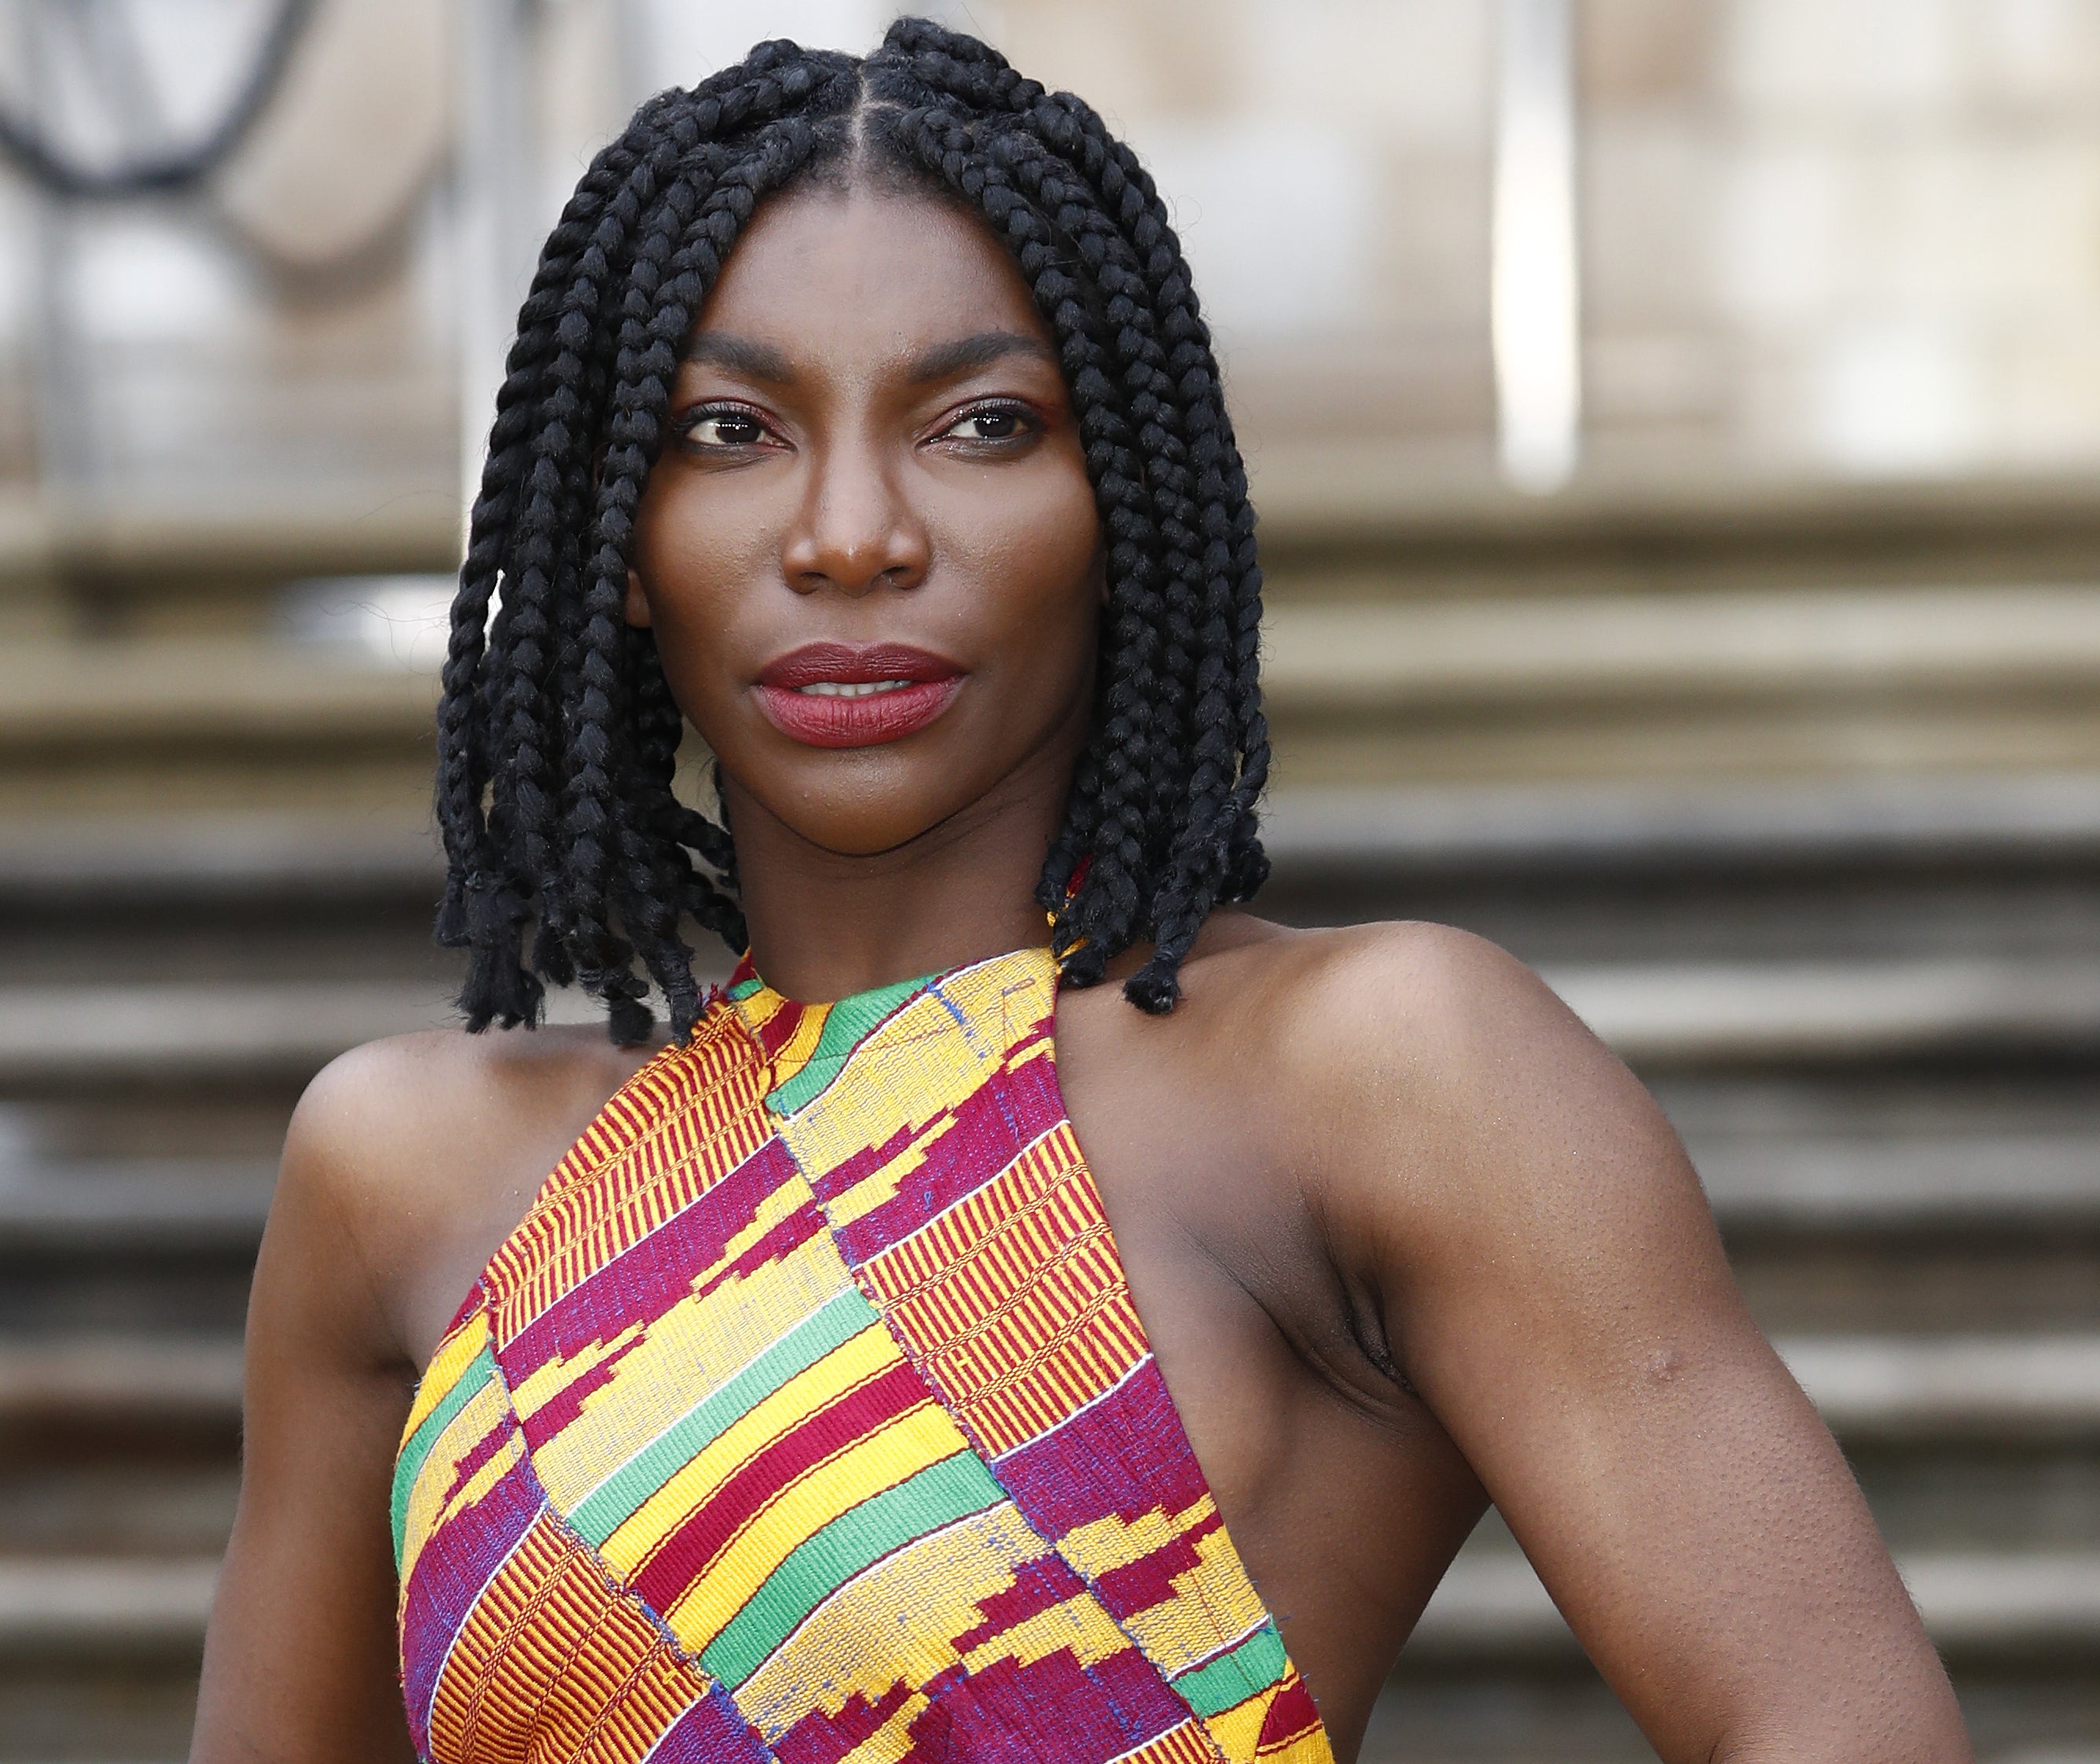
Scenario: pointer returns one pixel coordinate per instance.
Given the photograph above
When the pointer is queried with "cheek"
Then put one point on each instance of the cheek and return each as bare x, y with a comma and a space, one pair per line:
699, 558
693, 549
1036, 564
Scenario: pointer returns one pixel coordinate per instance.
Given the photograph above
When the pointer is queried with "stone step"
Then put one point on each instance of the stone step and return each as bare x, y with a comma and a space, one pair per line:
1355, 514
60, 1605
1490, 1606
1895, 821
1945, 1183
1916, 1389
1850, 870
203, 1030
1375, 656
1560, 1711
161, 546
2018, 1389
1673, 1014
1974, 1604
212, 692
168, 1207
88, 863
1912, 1183
138, 1381
1348, 656
1669, 1014
1816, 681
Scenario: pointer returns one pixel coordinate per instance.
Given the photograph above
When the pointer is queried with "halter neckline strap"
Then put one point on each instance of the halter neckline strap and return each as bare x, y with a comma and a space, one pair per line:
808, 1418
746, 984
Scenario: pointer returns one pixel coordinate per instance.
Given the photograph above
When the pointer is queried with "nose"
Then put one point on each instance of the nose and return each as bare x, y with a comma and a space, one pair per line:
855, 531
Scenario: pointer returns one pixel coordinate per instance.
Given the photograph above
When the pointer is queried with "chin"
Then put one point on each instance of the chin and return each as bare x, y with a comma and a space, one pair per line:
851, 814
855, 835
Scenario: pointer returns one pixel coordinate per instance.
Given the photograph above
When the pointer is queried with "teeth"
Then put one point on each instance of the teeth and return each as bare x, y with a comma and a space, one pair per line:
851, 689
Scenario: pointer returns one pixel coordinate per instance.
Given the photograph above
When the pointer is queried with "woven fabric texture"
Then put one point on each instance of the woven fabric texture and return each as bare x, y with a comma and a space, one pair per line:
807, 1417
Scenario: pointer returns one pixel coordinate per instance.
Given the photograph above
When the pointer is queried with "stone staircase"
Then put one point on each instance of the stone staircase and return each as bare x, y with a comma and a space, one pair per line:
1801, 809
1873, 1012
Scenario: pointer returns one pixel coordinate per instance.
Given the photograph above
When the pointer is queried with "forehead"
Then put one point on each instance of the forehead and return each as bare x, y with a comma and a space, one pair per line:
826, 272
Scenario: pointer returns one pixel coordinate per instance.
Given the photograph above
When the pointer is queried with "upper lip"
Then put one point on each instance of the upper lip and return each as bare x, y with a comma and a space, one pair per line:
855, 665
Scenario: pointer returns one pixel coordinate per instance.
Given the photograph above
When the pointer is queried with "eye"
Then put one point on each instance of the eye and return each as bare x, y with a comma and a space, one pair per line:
993, 423
725, 429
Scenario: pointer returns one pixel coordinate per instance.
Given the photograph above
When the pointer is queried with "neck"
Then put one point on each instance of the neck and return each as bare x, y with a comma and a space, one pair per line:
825, 925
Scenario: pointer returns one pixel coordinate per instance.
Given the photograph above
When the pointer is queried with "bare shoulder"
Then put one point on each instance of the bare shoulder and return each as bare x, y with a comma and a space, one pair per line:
1427, 1071
1436, 1006
1384, 999
379, 1116
1330, 1008
414, 1157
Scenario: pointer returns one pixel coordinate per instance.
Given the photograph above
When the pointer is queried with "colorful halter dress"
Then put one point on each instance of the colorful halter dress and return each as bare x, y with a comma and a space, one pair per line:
807, 1417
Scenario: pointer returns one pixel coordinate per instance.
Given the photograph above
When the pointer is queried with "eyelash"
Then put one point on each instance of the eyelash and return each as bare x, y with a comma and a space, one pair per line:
718, 412
1022, 416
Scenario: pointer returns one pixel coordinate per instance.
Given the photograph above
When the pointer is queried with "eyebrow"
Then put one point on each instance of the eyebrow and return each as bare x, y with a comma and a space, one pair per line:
754, 360
944, 361
741, 356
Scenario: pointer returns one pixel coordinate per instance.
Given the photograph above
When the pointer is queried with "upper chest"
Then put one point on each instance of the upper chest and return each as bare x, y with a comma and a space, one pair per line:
1187, 1138
790, 1342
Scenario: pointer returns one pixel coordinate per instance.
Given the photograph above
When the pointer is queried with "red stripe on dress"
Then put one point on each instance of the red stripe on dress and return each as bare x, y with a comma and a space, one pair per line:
1039, 1585
1138, 1585
689, 1551
1292, 1716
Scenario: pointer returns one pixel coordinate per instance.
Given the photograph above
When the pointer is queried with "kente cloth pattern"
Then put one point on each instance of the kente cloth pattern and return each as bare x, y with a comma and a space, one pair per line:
806, 1417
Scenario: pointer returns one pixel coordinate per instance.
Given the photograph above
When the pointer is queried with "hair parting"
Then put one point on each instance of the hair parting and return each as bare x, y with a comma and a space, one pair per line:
557, 737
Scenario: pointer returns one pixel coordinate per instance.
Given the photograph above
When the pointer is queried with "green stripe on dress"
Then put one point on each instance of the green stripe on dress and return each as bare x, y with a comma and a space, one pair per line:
845, 1027
473, 1379
1250, 1667
936, 1495
615, 1500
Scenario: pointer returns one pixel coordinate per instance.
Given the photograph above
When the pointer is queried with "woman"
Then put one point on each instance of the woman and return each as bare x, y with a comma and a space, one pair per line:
825, 1402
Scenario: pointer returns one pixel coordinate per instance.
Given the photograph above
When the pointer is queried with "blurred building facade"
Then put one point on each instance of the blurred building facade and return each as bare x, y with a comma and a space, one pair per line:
1859, 239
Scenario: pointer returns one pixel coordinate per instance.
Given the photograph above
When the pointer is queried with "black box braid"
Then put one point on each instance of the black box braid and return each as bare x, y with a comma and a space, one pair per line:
558, 735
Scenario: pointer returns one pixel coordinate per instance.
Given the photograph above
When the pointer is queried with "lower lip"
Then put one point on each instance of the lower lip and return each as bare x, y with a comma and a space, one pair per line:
820, 720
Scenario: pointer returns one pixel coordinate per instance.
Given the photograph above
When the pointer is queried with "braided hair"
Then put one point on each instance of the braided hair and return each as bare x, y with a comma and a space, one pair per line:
556, 733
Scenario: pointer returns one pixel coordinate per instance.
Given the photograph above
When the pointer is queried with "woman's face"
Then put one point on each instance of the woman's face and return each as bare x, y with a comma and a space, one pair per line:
869, 548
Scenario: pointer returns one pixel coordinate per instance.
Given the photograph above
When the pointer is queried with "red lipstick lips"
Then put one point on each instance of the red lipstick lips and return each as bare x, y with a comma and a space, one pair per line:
854, 695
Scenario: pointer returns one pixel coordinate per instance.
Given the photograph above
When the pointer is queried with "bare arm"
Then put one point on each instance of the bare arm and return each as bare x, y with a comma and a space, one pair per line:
300, 1663
408, 1162
1550, 1281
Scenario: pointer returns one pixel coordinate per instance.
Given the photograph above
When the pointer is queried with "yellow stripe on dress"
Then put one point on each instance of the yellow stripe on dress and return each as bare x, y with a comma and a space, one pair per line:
553, 1664
432, 1500
900, 1620
920, 1071
918, 1439
1014, 1298
675, 1129
864, 1357
455, 1354
726, 1328
1211, 1599
1185, 1745
614, 1426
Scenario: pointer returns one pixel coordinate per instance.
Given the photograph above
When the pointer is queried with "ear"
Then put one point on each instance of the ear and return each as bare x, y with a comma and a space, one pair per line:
637, 609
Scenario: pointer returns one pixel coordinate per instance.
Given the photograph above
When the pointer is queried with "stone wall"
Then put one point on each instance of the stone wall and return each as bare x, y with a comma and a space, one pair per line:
1849, 237
1858, 236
